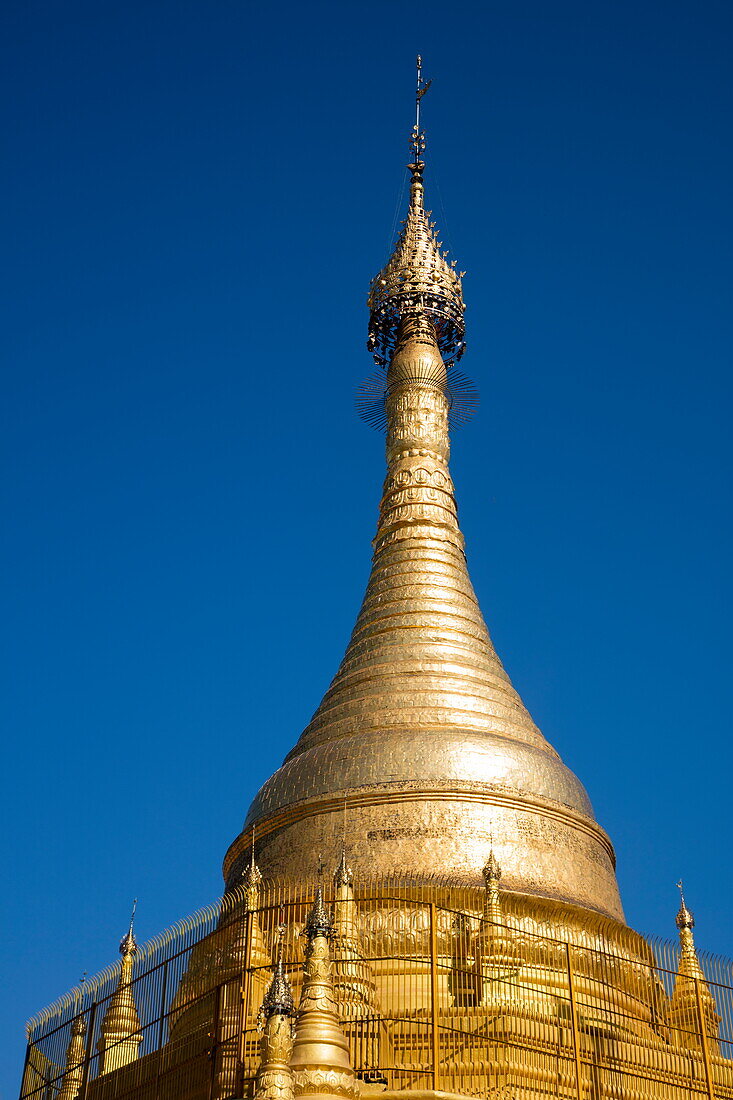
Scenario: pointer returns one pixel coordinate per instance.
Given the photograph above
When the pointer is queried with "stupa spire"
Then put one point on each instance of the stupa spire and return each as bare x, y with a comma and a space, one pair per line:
685, 921
120, 1034
73, 1078
320, 1060
692, 1015
492, 878
421, 729
251, 885
274, 1079
343, 876
252, 880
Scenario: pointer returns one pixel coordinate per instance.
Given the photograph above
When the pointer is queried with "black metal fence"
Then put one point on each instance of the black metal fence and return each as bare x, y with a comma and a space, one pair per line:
432, 995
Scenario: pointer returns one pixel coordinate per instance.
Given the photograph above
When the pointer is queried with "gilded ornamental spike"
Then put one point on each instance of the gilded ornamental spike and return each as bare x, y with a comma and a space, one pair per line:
279, 997
684, 919
274, 1080
251, 881
492, 878
73, 1078
343, 875
318, 923
120, 1035
692, 1008
321, 1061
496, 957
417, 278
128, 943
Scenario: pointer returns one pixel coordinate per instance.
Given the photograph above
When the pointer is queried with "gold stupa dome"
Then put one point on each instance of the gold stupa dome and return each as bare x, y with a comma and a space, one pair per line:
421, 734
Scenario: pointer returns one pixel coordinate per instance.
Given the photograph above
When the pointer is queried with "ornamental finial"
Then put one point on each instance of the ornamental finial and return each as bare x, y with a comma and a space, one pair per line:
684, 918
343, 875
417, 279
128, 943
492, 870
73, 1078
252, 880
78, 1024
492, 877
318, 922
417, 138
279, 997
120, 1034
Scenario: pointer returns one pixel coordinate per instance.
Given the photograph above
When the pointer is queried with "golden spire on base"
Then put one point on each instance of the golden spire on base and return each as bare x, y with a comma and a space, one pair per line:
421, 729
120, 1034
492, 878
345, 932
252, 884
73, 1078
353, 981
252, 881
274, 1079
691, 1007
496, 960
320, 1061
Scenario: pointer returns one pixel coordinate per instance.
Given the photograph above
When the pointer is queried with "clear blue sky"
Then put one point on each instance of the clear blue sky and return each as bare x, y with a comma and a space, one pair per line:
194, 198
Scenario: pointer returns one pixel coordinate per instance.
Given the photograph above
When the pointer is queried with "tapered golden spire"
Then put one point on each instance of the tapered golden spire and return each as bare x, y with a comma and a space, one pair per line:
689, 963
120, 1034
274, 1079
421, 730
344, 924
320, 1060
252, 881
73, 1078
354, 987
496, 958
492, 878
692, 1007
252, 884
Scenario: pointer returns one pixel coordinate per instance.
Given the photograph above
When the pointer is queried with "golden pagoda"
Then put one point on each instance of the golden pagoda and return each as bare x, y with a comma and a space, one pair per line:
471, 941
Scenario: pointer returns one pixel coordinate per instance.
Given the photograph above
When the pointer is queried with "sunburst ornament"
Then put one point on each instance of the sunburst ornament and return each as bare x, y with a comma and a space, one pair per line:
460, 390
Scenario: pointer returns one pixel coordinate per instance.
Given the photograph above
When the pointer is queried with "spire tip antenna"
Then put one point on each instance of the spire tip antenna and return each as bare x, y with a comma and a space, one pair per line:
417, 139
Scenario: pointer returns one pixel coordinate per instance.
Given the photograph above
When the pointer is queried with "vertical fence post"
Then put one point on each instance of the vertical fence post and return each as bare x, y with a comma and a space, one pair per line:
213, 1053
88, 1055
163, 995
434, 995
574, 1024
161, 1027
704, 1041
244, 997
